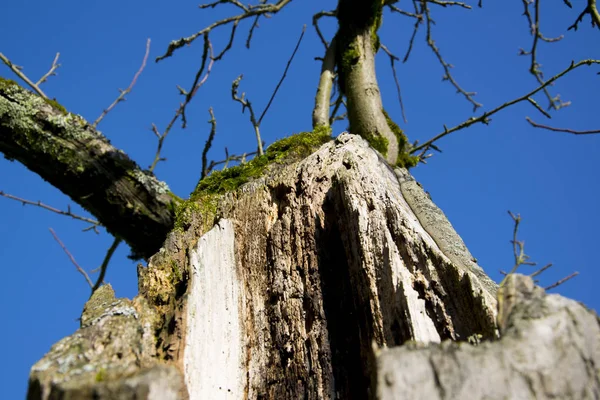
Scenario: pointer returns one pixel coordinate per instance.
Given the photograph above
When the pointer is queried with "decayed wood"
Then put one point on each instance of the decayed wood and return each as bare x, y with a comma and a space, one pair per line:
67, 152
550, 349
329, 259
284, 288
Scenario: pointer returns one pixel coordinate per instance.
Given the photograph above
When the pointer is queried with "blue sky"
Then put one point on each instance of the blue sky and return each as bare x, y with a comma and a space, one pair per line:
549, 178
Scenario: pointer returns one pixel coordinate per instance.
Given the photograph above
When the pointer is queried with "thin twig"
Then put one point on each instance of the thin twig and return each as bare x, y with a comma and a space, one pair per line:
38, 203
248, 12
484, 118
104, 266
561, 281
81, 270
123, 93
189, 95
207, 146
287, 67
550, 128
247, 104
393, 59
51, 72
17, 70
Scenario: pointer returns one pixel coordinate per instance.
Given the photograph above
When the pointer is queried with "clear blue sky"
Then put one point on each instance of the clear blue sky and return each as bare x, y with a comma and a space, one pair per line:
550, 178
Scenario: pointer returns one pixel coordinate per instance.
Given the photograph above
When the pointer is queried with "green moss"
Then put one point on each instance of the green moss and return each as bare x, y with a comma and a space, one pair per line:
289, 149
57, 106
404, 160
202, 206
101, 375
176, 271
378, 142
4, 83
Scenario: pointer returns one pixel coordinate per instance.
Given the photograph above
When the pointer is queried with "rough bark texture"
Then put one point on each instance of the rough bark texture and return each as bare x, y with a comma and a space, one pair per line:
294, 285
550, 349
67, 152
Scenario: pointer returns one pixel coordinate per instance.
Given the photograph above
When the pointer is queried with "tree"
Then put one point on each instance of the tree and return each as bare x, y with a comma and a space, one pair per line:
370, 21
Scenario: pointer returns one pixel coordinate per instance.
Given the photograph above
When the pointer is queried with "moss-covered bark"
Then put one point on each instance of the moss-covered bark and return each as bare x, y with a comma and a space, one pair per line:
67, 152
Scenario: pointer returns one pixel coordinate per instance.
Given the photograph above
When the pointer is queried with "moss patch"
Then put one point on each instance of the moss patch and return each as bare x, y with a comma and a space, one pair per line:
289, 149
404, 160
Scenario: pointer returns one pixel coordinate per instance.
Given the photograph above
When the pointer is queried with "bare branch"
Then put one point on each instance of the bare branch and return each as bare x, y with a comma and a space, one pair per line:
591, 9
447, 75
51, 72
81, 270
248, 12
189, 95
126, 91
207, 146
247, 104
287, 67
104, 266
550, 128
484, 118
315, 21
561, 281
38, 203
394, 58
17, 70
320, 115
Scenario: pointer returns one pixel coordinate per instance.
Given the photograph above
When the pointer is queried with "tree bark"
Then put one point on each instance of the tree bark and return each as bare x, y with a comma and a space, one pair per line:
357, 44
305, 271
70, 154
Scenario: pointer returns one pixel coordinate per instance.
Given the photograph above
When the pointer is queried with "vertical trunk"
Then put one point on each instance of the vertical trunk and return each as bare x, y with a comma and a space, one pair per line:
357, 44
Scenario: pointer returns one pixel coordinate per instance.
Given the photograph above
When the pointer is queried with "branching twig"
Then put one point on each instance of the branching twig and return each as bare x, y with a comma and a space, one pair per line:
123, 93
207, 146
104, 266
315, 21
17, 70
394, 58
522, 259
206, 54
591, 9
535, 67
484, 118
447, 75
51, 72
550, 128
248, 12
38, 203
81, 270
287, 67
247, 104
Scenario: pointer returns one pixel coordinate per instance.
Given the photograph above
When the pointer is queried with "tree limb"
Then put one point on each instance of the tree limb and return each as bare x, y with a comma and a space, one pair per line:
66, 151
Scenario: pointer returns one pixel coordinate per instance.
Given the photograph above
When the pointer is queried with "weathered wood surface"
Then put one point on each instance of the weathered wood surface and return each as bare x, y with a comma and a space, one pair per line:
284, 288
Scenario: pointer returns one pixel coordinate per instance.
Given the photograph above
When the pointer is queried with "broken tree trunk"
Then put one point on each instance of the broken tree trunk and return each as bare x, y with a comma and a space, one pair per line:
294, 286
